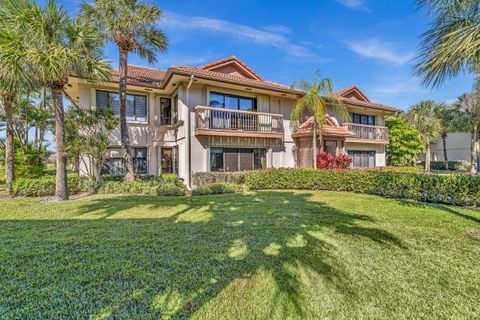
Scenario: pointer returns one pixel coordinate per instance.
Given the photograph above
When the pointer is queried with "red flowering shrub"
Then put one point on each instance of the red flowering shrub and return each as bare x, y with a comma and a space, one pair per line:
328, 161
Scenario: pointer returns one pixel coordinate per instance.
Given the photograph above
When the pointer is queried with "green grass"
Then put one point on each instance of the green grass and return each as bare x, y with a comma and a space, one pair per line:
264, 255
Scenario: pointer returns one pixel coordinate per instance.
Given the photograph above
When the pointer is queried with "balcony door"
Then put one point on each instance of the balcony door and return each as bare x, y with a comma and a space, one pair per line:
232, 120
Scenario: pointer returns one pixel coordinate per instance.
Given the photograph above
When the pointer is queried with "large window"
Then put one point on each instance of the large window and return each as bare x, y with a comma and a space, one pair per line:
237, 159
362, 159
227, 101
362, 119
169, 160
115, 165
136, 104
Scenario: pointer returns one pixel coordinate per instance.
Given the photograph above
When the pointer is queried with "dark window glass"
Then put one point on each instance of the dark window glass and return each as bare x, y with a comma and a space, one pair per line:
217, 100
362, 119
362, 159
165, 111
227, 101
140, 160
136, 104
237, 159
169, 160
259, 159
216, 159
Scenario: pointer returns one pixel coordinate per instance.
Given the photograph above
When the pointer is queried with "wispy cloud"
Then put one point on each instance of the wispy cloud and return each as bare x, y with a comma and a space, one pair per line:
374, 48
355, 4
274, 36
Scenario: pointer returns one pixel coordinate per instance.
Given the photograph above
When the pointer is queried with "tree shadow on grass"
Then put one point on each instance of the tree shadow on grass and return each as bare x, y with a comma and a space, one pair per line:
441, 207
179, 255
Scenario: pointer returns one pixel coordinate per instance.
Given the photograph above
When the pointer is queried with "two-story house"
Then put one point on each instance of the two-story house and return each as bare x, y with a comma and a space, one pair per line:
223, 116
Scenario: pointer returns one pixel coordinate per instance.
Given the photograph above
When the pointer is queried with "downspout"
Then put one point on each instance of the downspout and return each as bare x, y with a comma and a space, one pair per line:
189, 134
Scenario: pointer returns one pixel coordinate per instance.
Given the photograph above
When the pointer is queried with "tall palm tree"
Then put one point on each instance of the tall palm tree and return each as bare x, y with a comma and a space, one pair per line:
444, 113
422, 117
467, 116
452, 45
13, 79
133, 26
54, 47
317, 97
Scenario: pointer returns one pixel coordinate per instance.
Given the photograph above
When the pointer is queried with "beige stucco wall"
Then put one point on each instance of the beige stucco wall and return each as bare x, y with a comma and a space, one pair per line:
280, 152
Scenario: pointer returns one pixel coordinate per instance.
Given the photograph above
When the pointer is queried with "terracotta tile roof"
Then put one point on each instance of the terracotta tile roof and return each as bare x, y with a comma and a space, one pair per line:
365, 102
228, 60
214, 75
331, 128
141, 75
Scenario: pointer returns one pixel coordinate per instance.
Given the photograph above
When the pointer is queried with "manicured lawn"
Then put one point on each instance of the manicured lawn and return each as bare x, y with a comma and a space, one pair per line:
264, 255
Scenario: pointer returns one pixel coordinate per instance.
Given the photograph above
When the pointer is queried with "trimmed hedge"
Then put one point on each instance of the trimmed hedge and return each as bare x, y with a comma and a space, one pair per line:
165, 185
452, 165
449, 189
45, 186
216, 188
205, 178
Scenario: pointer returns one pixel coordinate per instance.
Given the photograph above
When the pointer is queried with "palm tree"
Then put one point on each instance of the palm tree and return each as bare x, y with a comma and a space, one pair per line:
467, 116
317, 97
132, 26
422, 117
54, 46
444, 113
452, 45
13, 79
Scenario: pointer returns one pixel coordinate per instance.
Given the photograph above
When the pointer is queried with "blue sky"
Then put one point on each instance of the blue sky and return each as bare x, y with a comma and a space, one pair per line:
370, 43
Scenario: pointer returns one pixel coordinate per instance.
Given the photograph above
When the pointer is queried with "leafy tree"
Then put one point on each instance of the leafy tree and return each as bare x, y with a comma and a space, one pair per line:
317, 97
405, 143
422, 117
54, 47
444, 113
13, 78
467, 117
133, 26
87, 136
452, 45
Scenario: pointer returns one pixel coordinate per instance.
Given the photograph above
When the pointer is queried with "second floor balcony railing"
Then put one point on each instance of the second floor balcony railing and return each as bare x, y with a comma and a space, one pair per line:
219, 121
370, 133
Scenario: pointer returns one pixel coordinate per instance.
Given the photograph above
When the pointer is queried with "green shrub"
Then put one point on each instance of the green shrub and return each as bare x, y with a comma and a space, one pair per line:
398, 169
153, 188
450, 189
216, 188
45, 185
452, 165
205, 178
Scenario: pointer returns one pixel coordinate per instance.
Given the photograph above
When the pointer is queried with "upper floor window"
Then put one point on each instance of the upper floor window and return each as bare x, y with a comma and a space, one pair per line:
362, 119
168, 110
227, 101
136, 104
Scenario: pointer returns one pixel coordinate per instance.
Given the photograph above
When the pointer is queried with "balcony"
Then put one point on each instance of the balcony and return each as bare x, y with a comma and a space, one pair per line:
365, 133
236, 123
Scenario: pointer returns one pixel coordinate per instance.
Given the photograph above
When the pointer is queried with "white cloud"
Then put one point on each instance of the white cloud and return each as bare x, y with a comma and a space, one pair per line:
168, 60
374, 48
355, 4
274, 36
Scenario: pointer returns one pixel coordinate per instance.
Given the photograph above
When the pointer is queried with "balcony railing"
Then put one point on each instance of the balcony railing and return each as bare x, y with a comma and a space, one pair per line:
218, 121
369, 133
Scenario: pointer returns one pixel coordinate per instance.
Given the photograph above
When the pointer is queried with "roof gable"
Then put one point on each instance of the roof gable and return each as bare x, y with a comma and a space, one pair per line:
232, 66
353, 92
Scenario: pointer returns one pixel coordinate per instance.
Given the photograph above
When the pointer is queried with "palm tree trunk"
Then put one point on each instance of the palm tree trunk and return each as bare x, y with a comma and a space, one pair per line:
428, 157
314, 146
125, 139
474, 151
61, 187
445, 153
9, 147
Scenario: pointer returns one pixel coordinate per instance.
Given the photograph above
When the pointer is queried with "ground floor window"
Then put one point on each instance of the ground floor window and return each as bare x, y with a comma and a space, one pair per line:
237, 159
362, 159
169, 159
115, 165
